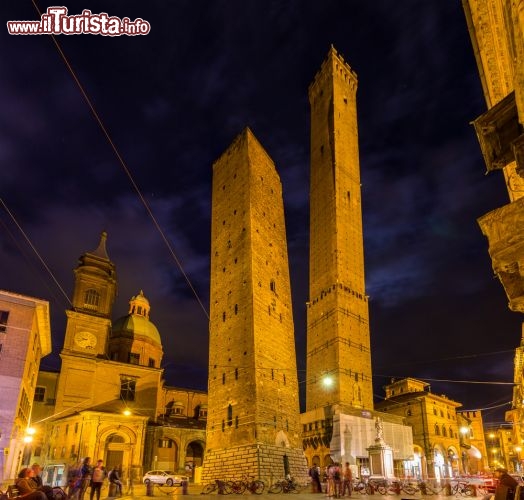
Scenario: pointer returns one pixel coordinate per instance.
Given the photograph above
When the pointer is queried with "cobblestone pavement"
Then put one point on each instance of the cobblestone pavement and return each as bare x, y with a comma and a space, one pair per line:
161, 493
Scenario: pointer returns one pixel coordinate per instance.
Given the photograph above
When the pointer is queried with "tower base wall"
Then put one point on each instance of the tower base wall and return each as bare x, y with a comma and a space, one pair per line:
261, 461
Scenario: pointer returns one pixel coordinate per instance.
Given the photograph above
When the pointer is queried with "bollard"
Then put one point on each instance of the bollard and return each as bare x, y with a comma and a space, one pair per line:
184, 487
423, 489
149, 489
112, 490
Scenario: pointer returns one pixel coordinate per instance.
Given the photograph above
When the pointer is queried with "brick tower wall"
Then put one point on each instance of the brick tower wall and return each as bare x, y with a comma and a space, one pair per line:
338, 342
253, 386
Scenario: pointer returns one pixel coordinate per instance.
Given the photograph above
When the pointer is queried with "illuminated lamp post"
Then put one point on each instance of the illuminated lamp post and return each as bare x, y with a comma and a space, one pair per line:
27, 439
491, 436
327, 381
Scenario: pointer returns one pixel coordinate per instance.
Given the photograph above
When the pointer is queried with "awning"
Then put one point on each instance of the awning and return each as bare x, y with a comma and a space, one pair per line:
474, 452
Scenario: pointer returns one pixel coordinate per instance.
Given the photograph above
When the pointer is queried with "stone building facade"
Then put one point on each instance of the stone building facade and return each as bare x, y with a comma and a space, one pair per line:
473, 450
435, 424
253, 409
496, 28
25, 337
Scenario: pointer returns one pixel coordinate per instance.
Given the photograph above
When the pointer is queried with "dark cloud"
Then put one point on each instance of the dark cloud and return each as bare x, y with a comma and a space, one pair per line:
173, 100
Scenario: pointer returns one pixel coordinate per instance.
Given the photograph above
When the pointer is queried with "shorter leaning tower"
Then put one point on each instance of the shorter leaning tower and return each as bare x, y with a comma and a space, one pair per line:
253, 406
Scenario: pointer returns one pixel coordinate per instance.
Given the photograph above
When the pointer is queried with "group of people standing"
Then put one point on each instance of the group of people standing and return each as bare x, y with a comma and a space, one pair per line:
338, 480
87, 475
30, 486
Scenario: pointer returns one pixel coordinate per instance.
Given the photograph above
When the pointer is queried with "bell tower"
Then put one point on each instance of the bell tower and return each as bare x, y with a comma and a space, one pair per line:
338, 342
89, 321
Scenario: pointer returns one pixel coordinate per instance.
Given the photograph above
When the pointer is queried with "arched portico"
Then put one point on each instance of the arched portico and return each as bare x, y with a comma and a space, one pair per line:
194, 456
117, 448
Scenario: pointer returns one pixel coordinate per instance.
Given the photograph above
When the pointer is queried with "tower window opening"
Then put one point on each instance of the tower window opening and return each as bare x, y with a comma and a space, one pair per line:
273, 286
236, 308
229, 415
236, 422
236, 373
284, 377
223, 378
224, 316
91, 299
223, 426
272, 374
3, 321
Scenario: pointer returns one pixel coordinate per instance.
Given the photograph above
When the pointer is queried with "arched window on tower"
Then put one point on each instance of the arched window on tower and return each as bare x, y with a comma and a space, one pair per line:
273, 286
91, 299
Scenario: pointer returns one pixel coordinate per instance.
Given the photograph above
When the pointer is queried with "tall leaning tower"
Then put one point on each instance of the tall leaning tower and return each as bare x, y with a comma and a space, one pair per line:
338, 343
253, 407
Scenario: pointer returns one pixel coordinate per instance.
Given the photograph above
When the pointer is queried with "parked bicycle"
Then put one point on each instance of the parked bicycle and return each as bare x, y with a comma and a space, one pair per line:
361, 487
250, 484
462, 488
218, 485
284, 486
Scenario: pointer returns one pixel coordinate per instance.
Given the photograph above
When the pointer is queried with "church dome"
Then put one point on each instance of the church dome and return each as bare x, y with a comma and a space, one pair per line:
137, 320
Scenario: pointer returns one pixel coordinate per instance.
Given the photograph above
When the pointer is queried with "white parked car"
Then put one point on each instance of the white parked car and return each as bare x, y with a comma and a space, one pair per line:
166, 477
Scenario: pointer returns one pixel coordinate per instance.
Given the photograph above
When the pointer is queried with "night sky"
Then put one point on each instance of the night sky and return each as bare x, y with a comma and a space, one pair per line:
173, 100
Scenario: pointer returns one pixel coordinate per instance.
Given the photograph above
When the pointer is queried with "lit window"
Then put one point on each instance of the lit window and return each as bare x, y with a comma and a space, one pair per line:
165, 443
